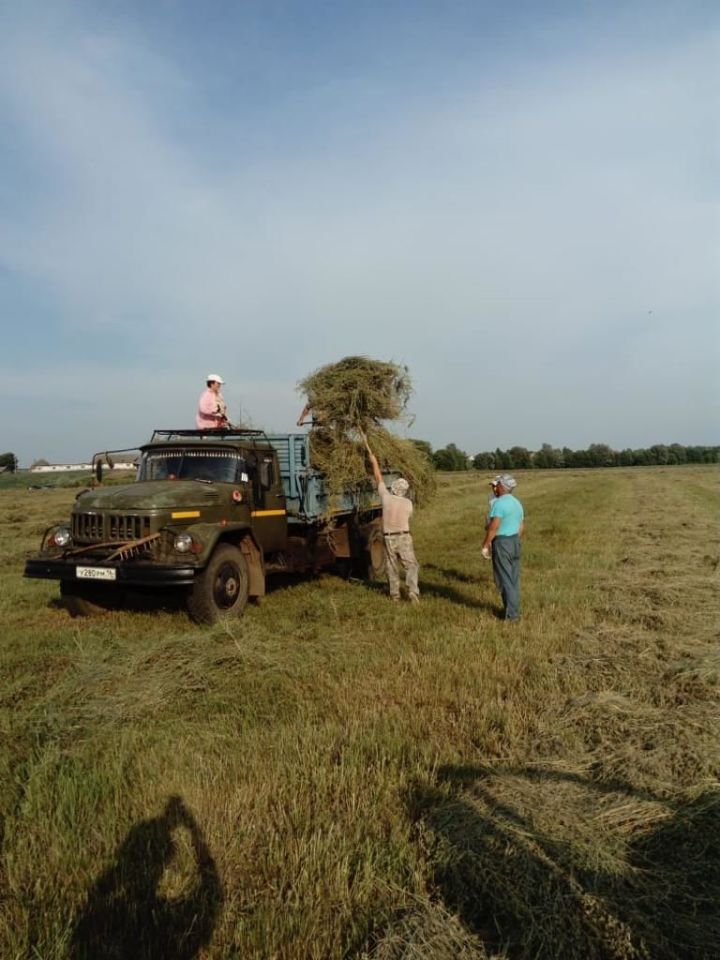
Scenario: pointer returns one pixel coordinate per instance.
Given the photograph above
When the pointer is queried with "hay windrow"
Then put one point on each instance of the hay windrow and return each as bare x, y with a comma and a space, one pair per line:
354, 398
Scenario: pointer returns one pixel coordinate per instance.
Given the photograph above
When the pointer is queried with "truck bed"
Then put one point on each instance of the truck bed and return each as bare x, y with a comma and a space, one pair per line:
305, 488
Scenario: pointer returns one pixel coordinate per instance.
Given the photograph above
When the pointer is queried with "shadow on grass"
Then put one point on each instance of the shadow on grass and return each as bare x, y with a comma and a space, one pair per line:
451, 573
525, 894
132, 600
437, 590
456, 597
127, 919
169, 600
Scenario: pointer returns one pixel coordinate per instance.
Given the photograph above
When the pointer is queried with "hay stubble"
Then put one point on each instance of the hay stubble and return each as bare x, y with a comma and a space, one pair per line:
379, 781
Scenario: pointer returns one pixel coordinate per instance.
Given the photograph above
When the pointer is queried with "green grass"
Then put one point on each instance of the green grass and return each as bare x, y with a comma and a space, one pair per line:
336, 776
35, 482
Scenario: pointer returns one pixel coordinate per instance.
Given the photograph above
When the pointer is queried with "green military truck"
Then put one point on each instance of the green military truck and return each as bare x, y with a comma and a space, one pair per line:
212, 514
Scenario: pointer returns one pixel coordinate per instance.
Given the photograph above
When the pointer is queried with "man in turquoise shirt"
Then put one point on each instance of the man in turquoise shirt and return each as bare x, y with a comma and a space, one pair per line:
502, 542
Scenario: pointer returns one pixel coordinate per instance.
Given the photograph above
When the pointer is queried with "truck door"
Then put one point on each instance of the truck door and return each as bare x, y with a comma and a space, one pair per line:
269, 513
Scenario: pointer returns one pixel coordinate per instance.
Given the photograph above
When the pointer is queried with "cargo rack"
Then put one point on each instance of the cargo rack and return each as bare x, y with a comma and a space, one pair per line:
229, 434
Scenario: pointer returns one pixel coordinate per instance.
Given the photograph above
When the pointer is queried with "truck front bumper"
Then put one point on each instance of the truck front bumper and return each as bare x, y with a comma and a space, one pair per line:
126, 574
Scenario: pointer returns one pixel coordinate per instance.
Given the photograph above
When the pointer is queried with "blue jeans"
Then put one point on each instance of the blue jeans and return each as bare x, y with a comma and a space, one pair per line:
506, 568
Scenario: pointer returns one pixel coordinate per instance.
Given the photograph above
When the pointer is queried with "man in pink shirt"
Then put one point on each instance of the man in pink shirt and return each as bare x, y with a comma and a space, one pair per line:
212, 409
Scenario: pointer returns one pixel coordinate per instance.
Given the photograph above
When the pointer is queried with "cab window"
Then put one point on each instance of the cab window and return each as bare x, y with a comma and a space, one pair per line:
218, 466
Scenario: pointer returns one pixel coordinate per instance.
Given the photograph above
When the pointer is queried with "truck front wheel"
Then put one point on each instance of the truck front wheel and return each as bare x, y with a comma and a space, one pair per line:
221, 590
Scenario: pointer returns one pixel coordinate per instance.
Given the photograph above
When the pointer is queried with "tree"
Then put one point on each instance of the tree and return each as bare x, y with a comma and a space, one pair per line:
521, 459
484, 461
601, 455
450, 458
678, 453
547, 457
503, 460
8, 463
568, 457
659, 454
424, 447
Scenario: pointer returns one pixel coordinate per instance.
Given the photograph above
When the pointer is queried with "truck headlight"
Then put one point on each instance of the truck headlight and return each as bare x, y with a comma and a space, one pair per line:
61, 537
183, 542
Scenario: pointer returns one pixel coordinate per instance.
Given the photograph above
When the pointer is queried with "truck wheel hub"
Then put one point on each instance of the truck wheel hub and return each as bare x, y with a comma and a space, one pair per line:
227, 587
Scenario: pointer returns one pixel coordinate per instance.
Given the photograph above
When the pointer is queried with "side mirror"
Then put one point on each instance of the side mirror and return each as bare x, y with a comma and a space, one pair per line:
98, 470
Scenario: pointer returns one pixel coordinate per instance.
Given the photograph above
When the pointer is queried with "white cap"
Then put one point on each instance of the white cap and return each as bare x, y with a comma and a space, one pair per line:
215, 378
506, 479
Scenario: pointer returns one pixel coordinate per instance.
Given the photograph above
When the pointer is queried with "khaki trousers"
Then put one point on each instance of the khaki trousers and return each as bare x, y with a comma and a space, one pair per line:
399, 551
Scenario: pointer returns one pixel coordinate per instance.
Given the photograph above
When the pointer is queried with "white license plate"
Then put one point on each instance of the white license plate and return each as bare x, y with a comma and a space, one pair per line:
96, 573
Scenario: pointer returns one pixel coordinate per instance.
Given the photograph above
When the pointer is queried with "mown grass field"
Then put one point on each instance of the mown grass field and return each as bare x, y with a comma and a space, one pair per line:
336, 776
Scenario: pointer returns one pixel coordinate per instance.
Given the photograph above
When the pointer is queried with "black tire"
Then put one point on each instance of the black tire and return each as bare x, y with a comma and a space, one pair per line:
221, 590
87, 599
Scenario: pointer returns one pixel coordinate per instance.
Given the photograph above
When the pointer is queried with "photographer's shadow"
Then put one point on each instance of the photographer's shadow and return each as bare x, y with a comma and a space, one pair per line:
525, 894
127, 918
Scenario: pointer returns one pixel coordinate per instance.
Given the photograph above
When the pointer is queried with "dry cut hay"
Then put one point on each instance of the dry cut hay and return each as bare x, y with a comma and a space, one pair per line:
350, 400
357, 391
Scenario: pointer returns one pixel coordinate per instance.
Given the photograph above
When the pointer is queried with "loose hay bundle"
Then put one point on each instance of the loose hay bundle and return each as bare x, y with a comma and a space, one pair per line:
356, 392
350, 399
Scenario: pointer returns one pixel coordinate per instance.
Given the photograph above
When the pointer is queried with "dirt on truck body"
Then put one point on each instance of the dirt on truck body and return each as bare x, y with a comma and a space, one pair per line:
211, 513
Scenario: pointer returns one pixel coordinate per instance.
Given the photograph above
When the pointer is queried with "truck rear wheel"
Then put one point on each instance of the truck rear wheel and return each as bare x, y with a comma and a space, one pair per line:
368, 561
221, 590
87, 599
376, 554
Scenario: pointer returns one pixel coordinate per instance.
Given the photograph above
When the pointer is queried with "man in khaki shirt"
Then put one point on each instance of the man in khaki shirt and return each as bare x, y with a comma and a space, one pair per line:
399, 550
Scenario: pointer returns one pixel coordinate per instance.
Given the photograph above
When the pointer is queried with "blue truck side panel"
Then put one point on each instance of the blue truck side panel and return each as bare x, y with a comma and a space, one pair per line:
305, 489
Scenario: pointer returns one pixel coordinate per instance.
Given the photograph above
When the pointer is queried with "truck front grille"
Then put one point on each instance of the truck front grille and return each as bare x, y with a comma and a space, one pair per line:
87, 527
123, 527
104, 527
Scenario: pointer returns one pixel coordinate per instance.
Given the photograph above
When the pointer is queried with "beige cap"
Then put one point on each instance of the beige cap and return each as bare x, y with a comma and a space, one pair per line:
214, 378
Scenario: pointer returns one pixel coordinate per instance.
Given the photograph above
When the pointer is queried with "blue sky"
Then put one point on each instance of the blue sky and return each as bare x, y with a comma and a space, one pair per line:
518, 200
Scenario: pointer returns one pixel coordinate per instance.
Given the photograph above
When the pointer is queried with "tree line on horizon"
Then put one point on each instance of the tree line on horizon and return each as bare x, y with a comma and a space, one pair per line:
548, 457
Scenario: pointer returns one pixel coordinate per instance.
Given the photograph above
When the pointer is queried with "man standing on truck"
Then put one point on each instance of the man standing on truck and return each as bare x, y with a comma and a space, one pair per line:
399, 549
212, 409
503, 533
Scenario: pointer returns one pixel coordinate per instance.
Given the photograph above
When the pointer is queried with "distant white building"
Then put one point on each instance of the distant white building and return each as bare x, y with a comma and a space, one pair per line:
59, 467
68, 467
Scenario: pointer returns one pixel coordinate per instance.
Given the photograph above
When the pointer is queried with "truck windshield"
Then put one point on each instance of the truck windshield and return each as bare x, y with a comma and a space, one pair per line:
221, 466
